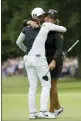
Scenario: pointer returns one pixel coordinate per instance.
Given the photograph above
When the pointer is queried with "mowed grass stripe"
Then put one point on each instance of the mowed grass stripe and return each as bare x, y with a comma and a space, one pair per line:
20, 85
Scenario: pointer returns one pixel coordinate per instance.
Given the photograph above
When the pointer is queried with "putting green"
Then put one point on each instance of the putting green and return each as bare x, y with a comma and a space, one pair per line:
15, 107
15, 104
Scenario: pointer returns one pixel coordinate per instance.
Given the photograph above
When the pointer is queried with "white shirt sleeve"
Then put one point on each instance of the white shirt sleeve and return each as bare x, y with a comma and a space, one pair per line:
53, 27
20, 40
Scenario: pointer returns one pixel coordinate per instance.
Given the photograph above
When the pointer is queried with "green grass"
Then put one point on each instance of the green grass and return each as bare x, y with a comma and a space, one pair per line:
19, 85
15, 104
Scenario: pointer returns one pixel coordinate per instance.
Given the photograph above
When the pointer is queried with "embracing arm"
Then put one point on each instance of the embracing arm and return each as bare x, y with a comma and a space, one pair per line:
20, 40
32, 23
53, 27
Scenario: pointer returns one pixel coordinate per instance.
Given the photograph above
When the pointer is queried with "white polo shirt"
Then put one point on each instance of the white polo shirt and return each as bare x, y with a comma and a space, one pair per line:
38, 46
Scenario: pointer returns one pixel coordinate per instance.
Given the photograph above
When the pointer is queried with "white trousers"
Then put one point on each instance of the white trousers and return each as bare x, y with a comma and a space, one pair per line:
36, 68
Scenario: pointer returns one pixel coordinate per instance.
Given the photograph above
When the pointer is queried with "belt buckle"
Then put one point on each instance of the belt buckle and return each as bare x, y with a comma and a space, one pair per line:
38, 55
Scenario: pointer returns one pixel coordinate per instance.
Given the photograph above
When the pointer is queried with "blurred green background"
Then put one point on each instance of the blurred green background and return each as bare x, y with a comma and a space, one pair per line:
14, 12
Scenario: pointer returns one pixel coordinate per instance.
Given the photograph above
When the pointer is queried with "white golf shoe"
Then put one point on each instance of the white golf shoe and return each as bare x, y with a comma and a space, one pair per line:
46, 115
59, 111
33, 115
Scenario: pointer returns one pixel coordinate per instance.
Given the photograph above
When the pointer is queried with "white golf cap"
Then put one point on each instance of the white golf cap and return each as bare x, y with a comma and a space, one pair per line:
37, 12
